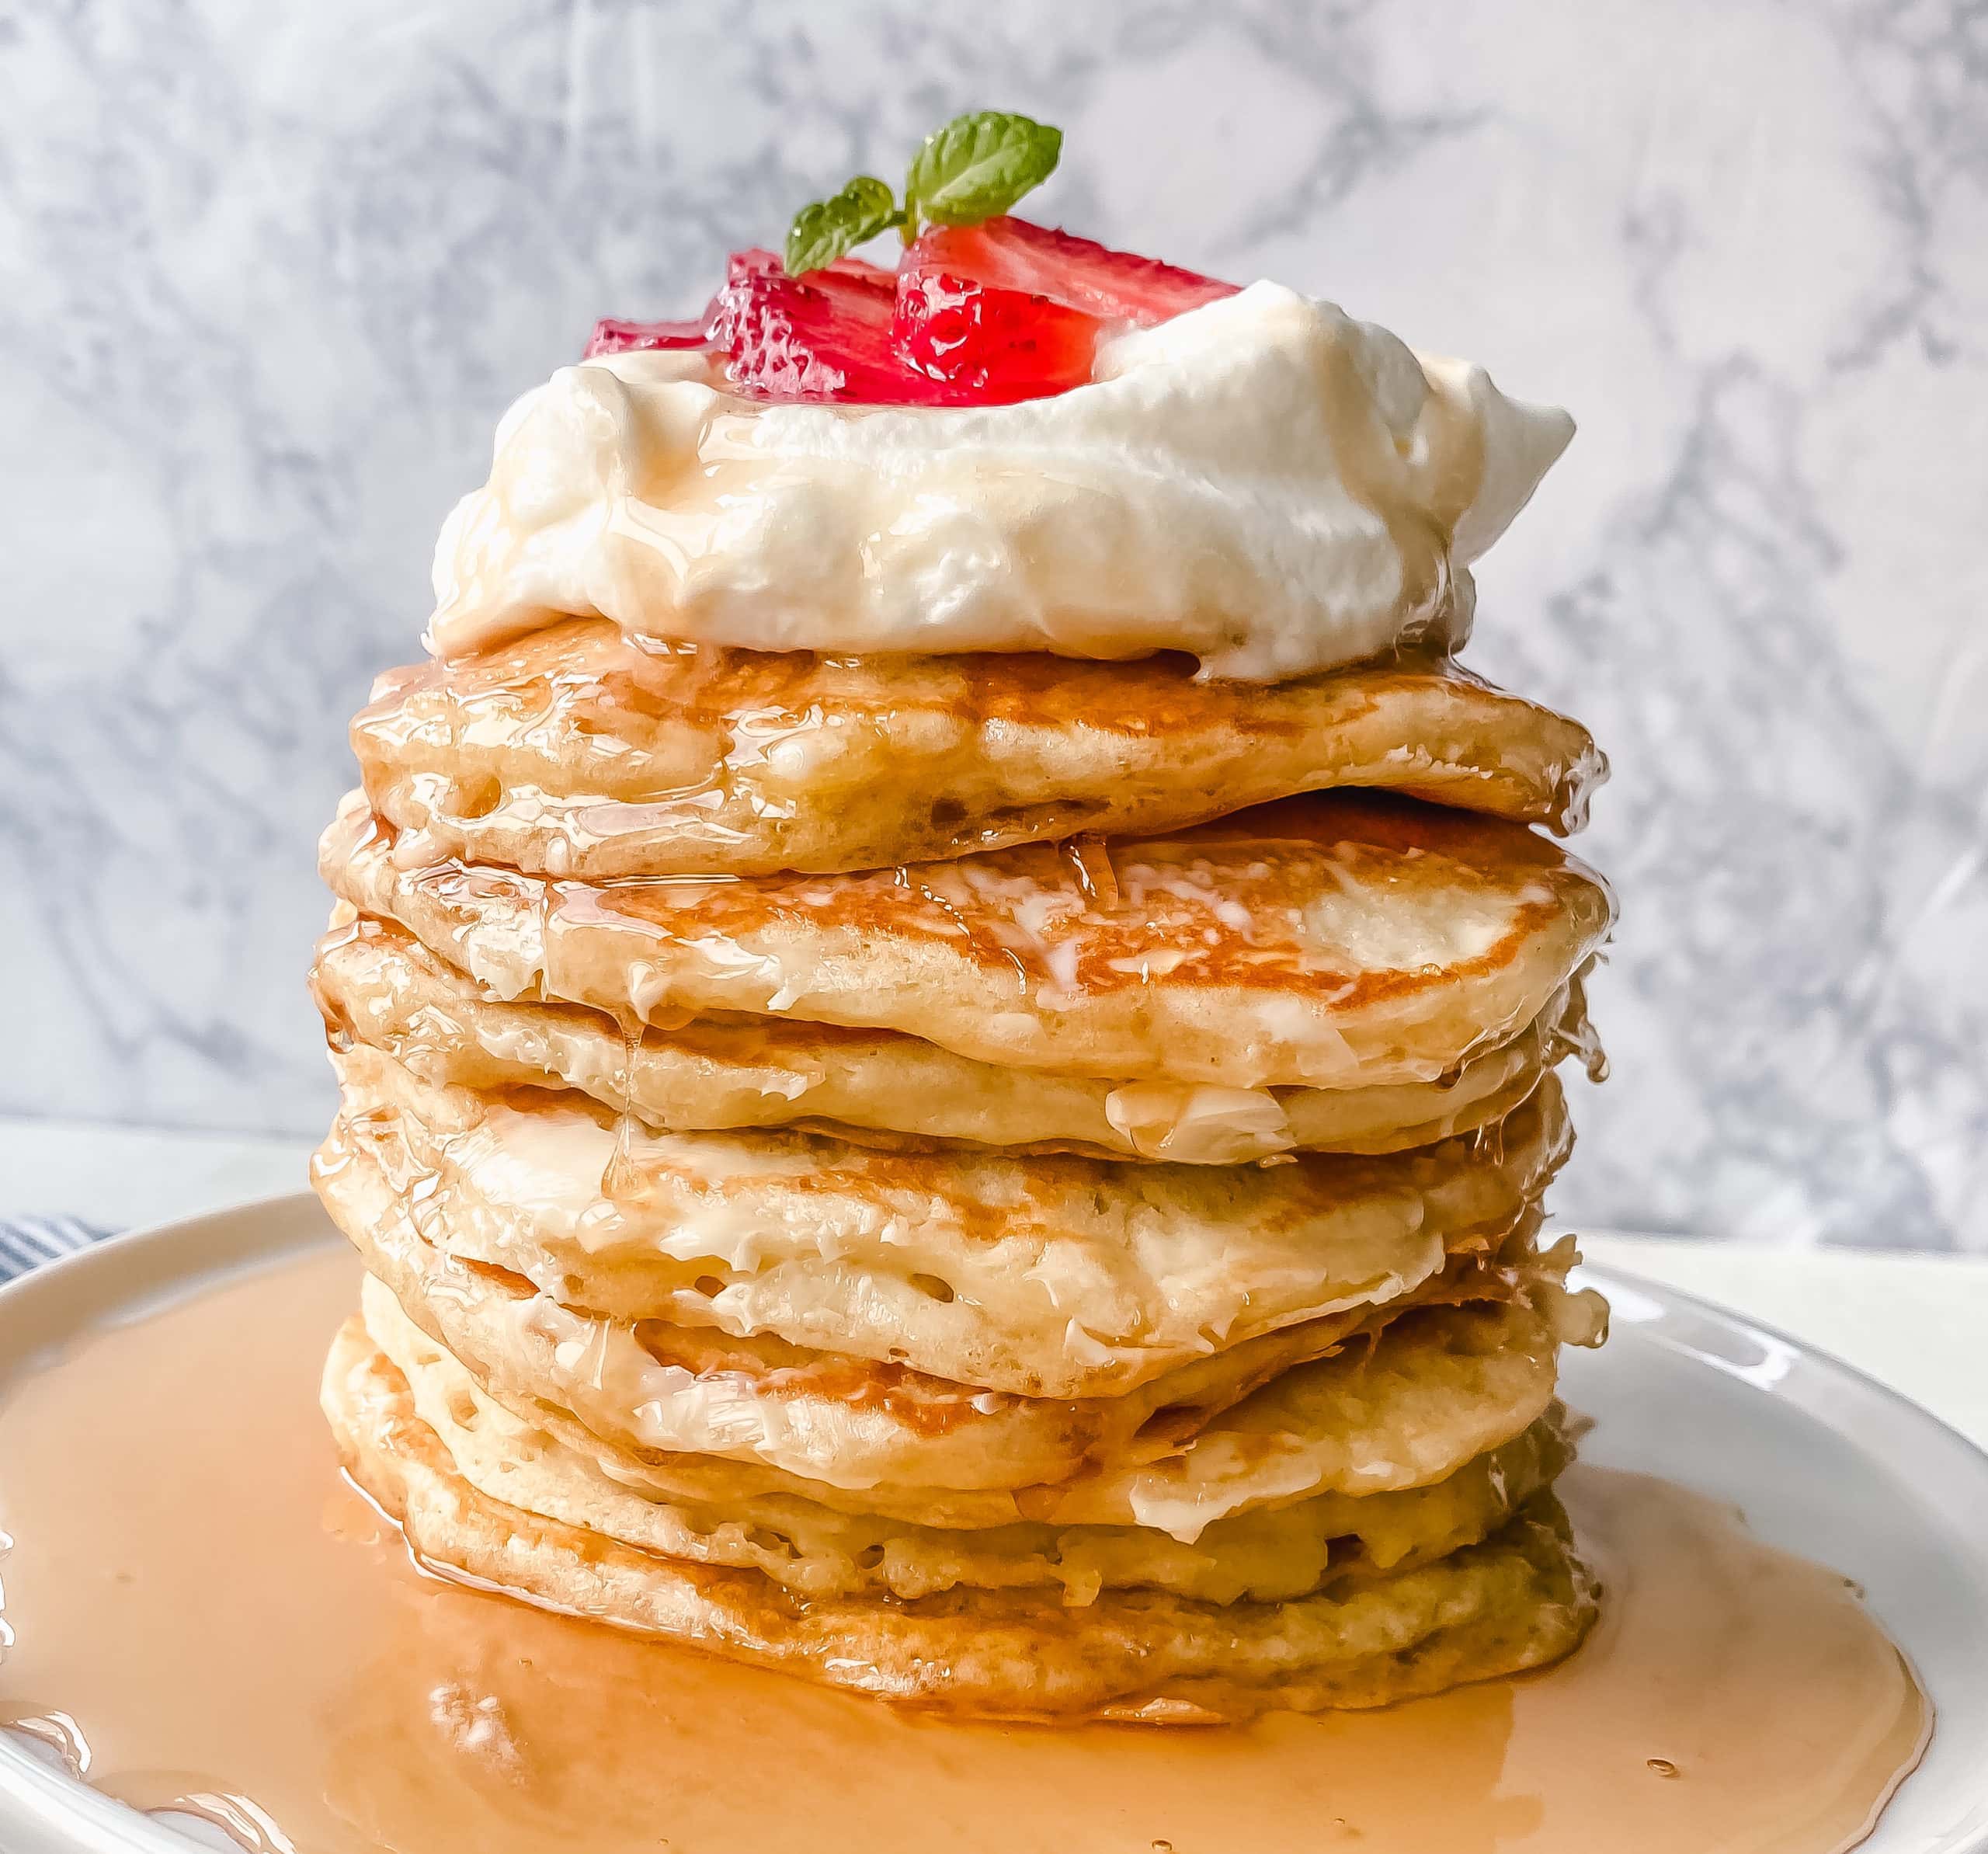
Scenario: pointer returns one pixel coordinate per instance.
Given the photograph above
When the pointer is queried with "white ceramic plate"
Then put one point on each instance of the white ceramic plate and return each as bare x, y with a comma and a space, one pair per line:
1823, 1461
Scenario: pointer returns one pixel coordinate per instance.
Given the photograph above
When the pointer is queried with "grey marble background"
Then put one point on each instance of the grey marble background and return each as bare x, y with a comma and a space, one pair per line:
271, 273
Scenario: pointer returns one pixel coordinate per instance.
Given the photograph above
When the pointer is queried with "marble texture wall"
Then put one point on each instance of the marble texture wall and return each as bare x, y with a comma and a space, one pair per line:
271, 273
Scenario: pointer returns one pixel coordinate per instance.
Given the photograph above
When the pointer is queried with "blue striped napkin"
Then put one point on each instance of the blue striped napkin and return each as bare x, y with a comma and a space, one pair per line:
26, 1242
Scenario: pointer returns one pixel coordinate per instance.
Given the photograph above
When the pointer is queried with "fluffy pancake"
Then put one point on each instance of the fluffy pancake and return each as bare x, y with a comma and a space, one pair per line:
1047, 1277
1267, 1554
572, 751
375, 983
1517, 1600
882, 1436
1337, 941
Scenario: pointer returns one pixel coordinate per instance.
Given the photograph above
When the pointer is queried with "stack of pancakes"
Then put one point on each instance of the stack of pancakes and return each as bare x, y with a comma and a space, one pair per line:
1001, 1182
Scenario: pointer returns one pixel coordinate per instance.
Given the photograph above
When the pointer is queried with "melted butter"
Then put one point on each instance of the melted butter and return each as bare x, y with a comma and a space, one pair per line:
205, 1617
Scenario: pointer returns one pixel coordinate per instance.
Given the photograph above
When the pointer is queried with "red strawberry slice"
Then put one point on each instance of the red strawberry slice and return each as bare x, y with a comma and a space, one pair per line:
1012, 310
980, 314
715, 327
1080, 273
825, 334
613, 337
813, 338
756, 261
999, 345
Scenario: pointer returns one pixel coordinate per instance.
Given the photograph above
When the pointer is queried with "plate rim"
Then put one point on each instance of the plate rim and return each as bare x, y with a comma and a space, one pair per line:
1607, 1278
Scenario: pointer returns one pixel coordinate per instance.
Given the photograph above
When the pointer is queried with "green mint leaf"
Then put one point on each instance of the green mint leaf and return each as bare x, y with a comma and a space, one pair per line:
977, 166
823, 232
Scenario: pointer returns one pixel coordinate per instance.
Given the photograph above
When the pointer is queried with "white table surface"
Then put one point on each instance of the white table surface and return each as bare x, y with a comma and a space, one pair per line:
1918, 1323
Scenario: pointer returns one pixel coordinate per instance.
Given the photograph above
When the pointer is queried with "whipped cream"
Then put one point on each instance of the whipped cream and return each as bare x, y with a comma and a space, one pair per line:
1263, 483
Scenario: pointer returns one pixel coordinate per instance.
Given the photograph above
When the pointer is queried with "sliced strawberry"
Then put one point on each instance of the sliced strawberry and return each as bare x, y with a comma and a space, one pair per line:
754, 260
709, 330
612, 337
823, 335
980, 314
864, 271
1038, 260
1012, 310
998, 346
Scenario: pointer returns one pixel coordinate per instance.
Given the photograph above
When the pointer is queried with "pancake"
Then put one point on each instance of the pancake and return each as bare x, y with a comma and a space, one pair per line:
1046, 1277
572, 751
375, 983
874, 1432
1338, 940
1267, 1554
1517, 1600
1443, 1385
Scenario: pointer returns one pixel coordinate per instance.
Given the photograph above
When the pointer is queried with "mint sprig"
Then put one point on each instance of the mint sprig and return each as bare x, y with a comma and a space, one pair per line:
975, 168
820, 233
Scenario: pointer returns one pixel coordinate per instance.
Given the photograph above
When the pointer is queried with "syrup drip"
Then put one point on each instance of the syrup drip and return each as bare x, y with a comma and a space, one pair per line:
1089, 857
214, 1626
1581, 1039
621, 1182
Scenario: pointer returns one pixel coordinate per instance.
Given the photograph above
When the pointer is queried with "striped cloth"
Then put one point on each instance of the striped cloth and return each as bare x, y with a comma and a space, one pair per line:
26, 1242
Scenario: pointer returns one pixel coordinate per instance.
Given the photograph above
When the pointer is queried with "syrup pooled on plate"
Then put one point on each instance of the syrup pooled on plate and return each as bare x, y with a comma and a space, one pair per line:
203, 1616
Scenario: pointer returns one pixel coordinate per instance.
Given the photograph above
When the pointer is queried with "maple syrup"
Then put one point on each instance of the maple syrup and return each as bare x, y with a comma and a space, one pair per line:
206, 1619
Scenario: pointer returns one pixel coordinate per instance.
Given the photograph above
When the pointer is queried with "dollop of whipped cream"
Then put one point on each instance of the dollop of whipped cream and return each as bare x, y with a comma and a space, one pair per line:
1263, 483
